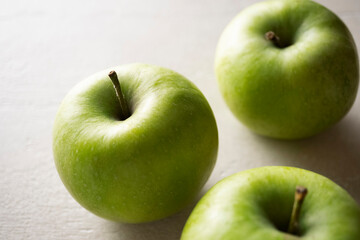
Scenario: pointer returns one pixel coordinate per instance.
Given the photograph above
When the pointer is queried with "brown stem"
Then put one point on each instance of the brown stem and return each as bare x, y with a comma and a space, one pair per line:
271, 36
300, 195
124, 110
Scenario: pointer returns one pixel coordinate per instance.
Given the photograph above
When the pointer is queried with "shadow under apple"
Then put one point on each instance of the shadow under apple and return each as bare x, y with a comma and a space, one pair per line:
334, 153
169, 228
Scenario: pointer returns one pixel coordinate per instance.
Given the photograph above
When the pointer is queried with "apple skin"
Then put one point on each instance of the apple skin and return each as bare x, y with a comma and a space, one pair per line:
288, 92
144, 168
254, 204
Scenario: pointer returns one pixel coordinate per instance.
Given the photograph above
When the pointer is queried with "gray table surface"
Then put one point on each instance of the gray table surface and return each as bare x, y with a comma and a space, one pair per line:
46, 47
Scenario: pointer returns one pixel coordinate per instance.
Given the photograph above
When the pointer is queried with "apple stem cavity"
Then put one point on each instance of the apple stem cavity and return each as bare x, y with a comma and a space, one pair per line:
300, 195
271, 36
124, 110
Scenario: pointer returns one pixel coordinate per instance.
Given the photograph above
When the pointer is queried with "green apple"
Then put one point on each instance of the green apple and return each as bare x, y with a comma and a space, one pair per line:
141, 167
257, 205
287, 69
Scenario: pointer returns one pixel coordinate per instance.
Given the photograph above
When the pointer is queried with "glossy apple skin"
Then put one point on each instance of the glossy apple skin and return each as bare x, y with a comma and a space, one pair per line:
292, 92
248, 205
146, 167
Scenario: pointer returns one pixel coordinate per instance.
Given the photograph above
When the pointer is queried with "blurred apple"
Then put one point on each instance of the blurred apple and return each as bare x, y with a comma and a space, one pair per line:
259, 204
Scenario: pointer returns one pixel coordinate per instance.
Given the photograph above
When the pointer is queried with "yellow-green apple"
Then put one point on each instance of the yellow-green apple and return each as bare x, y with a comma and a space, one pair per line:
141, 154
287, 69
259, 204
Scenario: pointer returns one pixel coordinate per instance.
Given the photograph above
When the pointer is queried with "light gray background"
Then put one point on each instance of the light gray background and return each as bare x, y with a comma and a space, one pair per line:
46, 47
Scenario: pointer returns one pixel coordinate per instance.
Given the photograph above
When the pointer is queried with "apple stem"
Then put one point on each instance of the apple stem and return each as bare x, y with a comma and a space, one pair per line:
124, 110
271, 36
300, 195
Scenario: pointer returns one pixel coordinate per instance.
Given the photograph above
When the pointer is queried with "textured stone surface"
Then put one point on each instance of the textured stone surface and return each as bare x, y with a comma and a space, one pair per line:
49, 46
